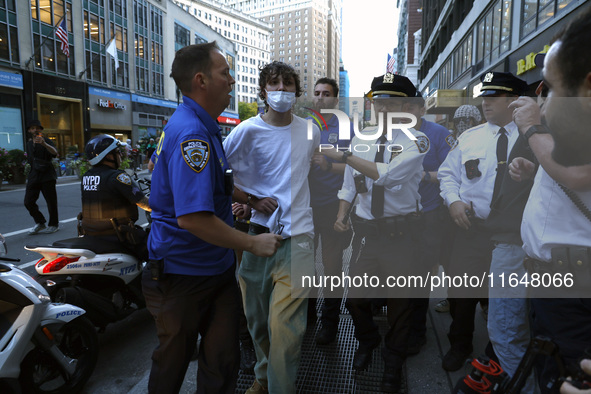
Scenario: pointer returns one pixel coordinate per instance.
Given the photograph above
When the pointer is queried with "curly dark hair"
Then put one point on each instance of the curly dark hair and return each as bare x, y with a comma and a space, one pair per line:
268, 71
331, 82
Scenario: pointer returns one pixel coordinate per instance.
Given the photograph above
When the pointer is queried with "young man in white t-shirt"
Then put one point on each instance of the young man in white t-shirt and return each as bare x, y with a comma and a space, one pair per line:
270, 156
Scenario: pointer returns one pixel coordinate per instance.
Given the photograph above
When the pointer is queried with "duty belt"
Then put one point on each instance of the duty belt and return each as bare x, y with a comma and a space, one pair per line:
258, 229
394, 226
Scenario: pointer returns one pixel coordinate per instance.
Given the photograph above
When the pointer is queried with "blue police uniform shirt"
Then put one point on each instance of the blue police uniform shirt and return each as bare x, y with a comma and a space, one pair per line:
441, 143
189, 178
324, 185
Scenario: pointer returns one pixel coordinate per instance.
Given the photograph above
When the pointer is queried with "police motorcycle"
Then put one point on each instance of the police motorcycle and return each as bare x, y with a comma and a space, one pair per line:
101, 276
45, 347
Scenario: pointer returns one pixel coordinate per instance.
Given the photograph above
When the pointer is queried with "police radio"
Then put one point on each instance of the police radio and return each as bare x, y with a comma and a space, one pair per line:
228, 182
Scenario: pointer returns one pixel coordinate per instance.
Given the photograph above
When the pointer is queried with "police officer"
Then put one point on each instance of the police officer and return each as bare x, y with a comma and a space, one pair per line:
470, 177
110, 193
192, 288
386, 175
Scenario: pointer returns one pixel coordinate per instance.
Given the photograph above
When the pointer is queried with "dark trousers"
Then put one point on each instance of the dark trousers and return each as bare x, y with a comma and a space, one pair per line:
50, 195
435, 250
567, 321
184, 306
333, 244
472, 253
382, 256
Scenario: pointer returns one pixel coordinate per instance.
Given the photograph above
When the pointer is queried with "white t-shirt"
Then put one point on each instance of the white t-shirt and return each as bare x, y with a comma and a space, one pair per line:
270, 161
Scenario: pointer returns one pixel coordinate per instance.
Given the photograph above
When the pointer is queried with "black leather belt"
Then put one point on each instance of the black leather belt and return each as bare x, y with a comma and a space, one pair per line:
391, 226
258, 229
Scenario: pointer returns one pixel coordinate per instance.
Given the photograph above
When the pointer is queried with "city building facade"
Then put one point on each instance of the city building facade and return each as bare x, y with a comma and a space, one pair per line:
68, 80
305, 34
462, 39
250, 35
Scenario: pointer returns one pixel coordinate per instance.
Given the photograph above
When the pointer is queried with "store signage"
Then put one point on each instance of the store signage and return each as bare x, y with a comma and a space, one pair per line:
111, 104
529, 63
226, 120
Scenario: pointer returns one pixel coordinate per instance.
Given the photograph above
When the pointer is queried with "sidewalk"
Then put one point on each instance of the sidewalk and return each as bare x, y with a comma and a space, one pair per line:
328, 369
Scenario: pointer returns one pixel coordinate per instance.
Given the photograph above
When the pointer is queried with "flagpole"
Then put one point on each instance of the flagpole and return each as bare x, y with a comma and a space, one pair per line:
93, 59
44, 40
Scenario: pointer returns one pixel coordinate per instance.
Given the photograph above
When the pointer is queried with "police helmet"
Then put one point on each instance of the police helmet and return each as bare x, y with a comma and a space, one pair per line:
99, 147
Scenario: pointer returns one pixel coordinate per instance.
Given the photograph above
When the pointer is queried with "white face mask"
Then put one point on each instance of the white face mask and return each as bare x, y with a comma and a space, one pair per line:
281, 101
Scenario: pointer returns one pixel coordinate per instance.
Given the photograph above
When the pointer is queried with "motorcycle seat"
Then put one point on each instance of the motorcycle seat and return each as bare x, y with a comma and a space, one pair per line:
95, 244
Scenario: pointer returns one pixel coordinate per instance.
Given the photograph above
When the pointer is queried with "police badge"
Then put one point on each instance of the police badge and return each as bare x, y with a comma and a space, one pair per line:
333, 138
195, 153
124, 178
488, 77
388, 78
422, 143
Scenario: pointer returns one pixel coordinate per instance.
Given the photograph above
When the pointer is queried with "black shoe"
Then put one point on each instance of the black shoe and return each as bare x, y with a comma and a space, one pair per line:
363, 356
247, 356
415, 345
454, 359
326, 334
391, 380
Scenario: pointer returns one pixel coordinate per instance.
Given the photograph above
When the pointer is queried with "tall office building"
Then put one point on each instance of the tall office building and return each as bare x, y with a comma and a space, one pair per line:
250, 35
305, 34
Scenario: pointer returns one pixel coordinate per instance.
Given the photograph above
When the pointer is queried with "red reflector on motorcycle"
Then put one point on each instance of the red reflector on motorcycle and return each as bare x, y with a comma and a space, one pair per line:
59, 263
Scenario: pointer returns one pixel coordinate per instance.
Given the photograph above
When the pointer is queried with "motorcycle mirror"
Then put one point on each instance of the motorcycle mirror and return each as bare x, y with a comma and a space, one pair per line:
3, 248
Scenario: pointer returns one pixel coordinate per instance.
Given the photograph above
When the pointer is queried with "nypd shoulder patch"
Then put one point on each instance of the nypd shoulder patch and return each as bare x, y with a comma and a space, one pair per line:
422, 143
451, 141
195, 153
124, 178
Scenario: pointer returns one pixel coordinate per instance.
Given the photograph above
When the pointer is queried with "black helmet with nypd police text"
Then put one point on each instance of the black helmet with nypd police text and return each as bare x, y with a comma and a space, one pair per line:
99, 147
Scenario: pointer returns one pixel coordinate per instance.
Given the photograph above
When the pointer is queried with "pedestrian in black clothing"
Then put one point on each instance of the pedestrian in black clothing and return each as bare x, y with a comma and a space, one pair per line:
41, 179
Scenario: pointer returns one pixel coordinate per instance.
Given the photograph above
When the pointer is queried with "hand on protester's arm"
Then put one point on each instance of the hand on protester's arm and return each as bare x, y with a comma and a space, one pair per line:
521, 169
339, 226
320, 160
211, 229
457, 211
568, 388
366, 167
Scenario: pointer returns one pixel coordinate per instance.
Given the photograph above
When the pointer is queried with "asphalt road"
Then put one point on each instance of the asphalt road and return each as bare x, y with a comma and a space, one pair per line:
125, 346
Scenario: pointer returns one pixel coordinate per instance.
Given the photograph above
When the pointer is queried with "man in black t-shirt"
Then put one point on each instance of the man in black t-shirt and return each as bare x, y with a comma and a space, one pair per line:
41, 179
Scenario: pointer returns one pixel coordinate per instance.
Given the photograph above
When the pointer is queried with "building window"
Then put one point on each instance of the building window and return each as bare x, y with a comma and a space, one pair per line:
47, 48
118, 29
181, 37
493, 34
157, 58
142, 27
8, 33
535, 13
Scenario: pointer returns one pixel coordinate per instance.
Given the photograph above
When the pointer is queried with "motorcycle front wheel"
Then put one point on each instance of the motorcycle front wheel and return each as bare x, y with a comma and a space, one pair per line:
40, 372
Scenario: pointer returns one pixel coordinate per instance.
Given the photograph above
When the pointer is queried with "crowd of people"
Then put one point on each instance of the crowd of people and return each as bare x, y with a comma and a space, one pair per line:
505, 198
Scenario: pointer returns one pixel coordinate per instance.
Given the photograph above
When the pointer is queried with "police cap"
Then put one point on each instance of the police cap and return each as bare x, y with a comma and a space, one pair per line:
494, 82
392, 85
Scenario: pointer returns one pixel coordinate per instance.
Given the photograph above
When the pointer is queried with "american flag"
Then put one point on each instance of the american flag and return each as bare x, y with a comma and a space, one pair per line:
62, 34
391, 63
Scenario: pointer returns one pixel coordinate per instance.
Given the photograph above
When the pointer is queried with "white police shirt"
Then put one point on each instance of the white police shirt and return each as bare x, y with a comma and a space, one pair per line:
551, 219
400, 173
478, 143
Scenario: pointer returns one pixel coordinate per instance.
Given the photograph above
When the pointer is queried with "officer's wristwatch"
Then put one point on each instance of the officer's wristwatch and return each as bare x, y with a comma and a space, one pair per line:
346, 155
536, 129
